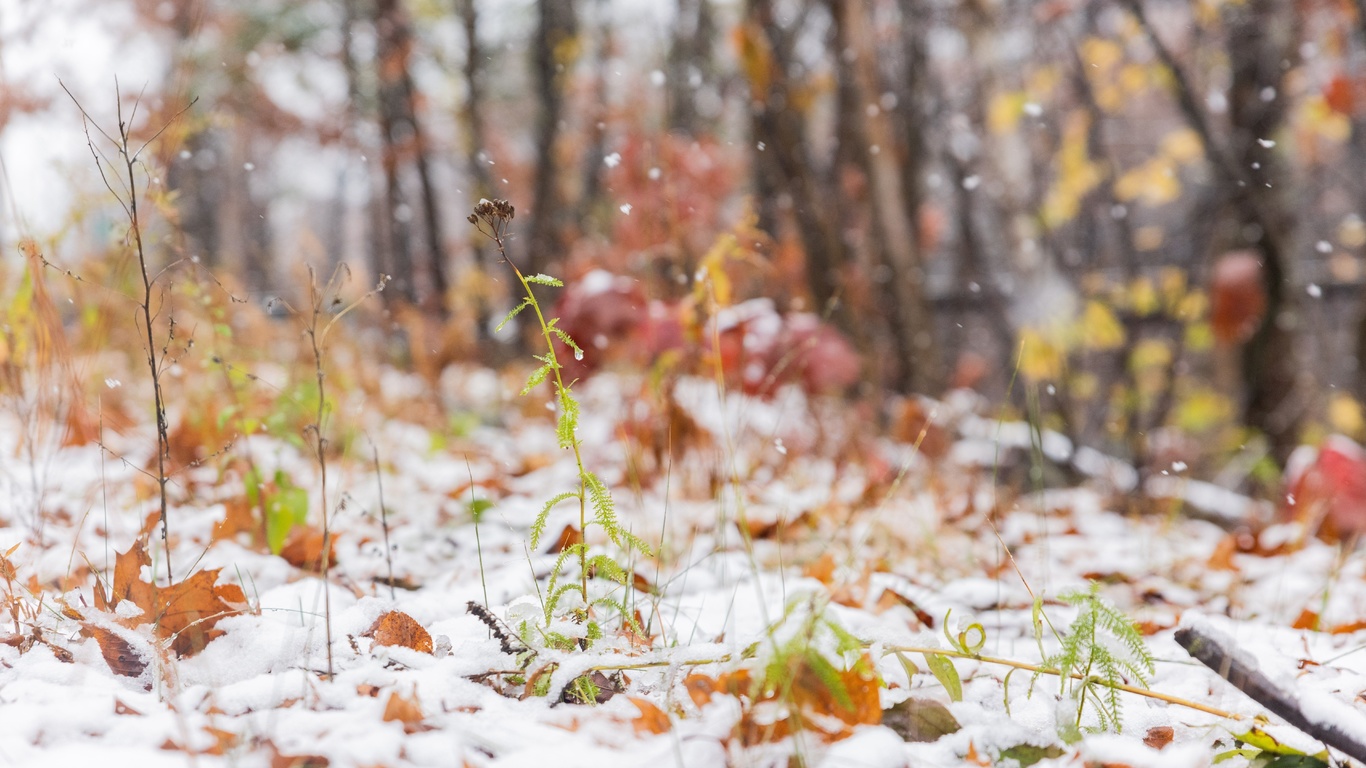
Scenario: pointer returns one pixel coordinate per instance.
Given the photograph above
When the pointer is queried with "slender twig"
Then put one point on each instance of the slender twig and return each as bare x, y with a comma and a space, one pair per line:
155, 363
384, 522
326, 299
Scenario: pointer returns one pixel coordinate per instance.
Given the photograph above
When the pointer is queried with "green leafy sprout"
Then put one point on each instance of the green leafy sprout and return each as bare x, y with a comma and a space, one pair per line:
1100, 649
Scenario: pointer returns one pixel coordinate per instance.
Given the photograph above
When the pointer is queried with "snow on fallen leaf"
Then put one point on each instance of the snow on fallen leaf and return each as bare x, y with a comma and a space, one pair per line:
397, 628
184, 612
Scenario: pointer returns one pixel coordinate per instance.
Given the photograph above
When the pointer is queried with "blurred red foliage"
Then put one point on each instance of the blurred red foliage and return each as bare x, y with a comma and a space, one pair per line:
1237, 297
758, 348
1326, 488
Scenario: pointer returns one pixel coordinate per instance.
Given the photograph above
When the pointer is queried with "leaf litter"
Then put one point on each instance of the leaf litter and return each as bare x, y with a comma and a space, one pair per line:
227, 667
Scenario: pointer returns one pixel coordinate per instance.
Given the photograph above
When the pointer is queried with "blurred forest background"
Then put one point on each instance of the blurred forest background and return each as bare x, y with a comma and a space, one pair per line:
1137, 221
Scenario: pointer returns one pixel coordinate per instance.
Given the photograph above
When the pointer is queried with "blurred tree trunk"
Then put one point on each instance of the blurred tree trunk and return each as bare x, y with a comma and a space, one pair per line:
782, 165
971, 203
689, 64
376, 250
597, 120
394, 217
1261, 36
552, 53
895, 179
403, 141
1358, 154
476, 149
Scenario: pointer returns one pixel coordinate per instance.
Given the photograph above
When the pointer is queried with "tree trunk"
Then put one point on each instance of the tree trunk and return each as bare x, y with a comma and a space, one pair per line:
689, 64
783, 164
895, 208
395, 131
1261, 35
551, 57
476, 149
401, 133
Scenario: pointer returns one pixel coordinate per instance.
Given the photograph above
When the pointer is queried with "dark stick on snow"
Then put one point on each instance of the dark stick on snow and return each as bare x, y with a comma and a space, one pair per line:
1216, 653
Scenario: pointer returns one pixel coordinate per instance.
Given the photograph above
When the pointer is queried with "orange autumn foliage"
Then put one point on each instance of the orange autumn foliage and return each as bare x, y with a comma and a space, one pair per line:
803, 702
1237, 297
184, 613
398, 628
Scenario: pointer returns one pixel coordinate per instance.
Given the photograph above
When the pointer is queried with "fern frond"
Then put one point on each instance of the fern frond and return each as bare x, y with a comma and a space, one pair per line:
515, 311
620, 608
540, 279
553, 596
538, 527
566, 428
607, 568
564, 337
537, 378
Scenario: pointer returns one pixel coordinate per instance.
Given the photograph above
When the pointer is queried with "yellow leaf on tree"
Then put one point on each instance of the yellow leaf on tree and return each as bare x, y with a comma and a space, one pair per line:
1148, 237
1203, 410
1076, 175
1321, 120
756, 58
1149, 354
1182, 146
1193, 305
1133, 78
1352, 231
1100, 329
1344, 414
1172, 286
1042, 82
1143, 296
1040, 358
1100, 54
1153, 183
1004, 111
1199, 337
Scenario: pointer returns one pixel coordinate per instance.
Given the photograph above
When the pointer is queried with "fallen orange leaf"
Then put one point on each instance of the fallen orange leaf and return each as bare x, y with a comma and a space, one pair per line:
184, 612
404, 710
398, 628
1306, 620
1159, 736
652, 719
304, 549
118, 653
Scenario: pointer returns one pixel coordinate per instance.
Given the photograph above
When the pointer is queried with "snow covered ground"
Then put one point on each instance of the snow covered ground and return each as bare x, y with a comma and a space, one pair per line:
777, 516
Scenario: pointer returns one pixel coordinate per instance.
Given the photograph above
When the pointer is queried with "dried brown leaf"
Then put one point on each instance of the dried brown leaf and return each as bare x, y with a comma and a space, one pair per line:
652, 719
398, 628
119, 654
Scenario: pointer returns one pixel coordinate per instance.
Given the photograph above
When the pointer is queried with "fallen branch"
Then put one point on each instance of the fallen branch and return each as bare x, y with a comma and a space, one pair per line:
1217, 651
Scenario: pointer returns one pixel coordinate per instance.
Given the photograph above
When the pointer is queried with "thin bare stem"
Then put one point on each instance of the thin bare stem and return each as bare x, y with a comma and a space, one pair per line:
128, 161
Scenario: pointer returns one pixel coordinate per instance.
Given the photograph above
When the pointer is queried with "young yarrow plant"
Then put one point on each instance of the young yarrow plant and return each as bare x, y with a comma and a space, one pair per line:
1099, 650
492, 218
1099, 653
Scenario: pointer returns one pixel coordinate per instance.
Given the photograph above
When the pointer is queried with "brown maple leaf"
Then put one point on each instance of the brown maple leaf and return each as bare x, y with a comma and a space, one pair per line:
183, 613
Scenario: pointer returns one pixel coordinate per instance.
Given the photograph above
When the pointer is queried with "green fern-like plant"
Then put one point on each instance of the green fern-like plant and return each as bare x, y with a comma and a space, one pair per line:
492, 218
1098, 651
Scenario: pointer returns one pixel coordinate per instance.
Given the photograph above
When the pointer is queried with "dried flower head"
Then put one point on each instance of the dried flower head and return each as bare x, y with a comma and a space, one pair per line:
494, 213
